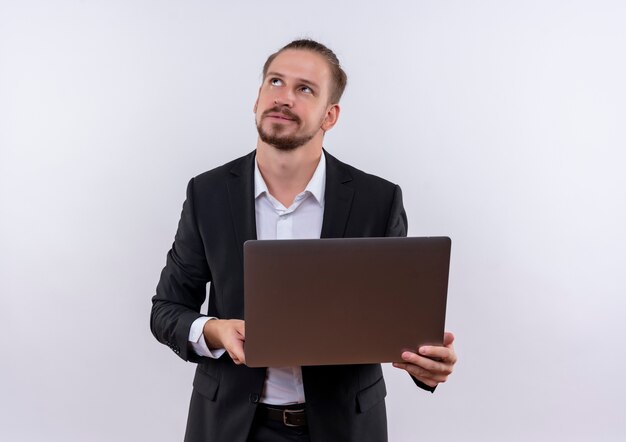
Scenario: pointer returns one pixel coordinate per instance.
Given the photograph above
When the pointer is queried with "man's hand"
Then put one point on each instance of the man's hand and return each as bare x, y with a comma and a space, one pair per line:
433, 364
229, 334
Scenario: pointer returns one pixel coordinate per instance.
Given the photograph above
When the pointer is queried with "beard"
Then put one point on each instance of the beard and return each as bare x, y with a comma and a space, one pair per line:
275, 138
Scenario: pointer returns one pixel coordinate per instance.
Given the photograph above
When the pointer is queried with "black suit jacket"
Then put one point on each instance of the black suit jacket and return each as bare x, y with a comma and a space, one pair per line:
344, 403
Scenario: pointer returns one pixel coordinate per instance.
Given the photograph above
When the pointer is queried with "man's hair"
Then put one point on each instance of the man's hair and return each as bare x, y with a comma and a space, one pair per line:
339, 77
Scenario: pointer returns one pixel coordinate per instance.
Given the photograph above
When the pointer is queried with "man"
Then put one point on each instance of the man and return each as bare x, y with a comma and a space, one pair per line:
288, 188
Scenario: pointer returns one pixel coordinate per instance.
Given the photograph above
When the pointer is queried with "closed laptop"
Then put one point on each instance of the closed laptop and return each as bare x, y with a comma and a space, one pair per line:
344, 300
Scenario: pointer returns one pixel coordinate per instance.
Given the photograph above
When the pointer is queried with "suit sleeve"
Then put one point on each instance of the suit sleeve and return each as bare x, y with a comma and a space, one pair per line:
181, 290
397, 225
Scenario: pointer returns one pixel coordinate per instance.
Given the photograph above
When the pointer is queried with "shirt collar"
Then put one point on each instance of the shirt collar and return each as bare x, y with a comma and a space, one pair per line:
316, 186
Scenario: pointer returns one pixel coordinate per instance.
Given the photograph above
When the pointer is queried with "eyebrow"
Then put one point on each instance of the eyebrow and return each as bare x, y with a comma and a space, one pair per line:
301, 80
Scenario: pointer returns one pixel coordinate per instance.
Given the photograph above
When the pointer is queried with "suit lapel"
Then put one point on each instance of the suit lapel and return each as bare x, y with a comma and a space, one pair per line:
241, 196
337, 198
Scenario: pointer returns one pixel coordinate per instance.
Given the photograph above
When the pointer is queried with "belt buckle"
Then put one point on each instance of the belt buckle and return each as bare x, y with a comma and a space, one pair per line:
285, 415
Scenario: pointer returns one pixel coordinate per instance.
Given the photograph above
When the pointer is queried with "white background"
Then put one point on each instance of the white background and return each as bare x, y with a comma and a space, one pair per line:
504, 123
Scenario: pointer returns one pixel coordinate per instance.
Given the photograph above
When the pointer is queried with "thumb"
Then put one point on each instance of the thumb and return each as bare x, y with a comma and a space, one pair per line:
448, 339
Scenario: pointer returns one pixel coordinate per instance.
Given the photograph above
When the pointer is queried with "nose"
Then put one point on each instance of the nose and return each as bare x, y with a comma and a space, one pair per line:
284, 98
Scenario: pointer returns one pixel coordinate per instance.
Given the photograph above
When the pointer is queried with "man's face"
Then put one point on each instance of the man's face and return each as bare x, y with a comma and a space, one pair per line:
292, 107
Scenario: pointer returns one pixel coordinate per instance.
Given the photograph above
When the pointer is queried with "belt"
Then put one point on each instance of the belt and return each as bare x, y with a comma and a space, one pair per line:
290, 417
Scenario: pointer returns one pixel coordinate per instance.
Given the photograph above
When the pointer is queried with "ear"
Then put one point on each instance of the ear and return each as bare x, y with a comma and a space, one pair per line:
332, 115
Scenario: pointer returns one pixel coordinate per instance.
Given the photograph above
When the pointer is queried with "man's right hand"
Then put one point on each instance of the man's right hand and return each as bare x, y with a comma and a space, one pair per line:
228, 334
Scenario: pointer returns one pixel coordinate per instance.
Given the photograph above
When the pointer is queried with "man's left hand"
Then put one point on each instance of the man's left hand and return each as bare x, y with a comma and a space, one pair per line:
432, 364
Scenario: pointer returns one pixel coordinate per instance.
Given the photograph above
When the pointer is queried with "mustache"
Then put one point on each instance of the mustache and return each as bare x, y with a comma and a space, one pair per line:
284, 111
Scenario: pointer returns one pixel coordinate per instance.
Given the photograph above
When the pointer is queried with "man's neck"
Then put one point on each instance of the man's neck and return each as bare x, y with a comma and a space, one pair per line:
287, 173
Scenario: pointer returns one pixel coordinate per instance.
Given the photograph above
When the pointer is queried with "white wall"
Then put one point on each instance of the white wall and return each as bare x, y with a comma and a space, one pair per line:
504, 123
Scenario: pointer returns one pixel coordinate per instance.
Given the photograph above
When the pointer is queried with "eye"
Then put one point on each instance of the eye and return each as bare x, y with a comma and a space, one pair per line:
306, 90
276, 82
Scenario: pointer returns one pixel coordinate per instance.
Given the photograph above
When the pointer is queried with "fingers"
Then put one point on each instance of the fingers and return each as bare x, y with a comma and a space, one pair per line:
426, 365
442, 354
240, 327
433, 364
427, 377
448, 339
237, 355
445, 353
416, 374
233, 341
228, 334
428, 371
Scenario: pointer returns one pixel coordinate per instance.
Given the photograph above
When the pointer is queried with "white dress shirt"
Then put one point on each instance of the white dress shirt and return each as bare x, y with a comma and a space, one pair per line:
301, 220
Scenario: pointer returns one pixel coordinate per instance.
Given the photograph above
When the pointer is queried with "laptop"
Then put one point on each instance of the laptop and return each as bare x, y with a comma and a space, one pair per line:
343, 300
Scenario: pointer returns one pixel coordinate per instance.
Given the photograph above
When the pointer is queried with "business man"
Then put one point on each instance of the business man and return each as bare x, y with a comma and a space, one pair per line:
288, 188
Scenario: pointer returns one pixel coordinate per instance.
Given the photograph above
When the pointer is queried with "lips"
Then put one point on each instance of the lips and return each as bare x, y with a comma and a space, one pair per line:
279, 116
280, 113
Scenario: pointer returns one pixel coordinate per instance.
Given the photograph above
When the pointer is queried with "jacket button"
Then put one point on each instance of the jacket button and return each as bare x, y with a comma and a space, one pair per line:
254, 398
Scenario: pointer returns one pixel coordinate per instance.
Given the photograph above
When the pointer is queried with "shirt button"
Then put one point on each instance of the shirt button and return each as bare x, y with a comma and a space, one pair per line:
254, 398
